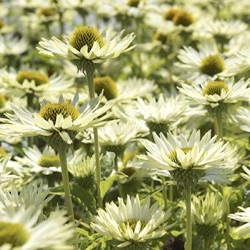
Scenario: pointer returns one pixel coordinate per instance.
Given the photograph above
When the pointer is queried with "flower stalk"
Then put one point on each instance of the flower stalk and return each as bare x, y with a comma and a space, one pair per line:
65, 179
90, 79
188, 217
218, 125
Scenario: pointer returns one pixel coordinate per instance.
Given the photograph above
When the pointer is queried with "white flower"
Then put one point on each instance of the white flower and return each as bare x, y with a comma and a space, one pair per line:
161, 110
178, 154
215, 93
203, 65
120, 132
86, 45
242, 118
55, 121
20, 230
221, 30
11, 45
244, 216
208, 209
131, 222
32, 195
38, 83
36, 161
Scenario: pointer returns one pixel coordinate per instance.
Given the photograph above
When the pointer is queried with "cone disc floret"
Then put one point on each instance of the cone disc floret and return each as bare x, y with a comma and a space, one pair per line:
106, 84
50, 111
82, 36
49, 161
13, 233
38, 78
215, 87
212, 65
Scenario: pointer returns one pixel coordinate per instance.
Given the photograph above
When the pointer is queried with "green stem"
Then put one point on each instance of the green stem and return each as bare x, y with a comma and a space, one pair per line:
120, 190
218, 126
65, 179
164, 191
90, 78
188, 218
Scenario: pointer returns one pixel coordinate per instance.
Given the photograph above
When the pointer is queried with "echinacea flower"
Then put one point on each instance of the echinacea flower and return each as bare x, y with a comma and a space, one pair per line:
87, 47
217, 93
204, 64
37, 83
243, 216
207, 211
132, 223
21, 230
160, 113
56, 123
189, 158
44, 161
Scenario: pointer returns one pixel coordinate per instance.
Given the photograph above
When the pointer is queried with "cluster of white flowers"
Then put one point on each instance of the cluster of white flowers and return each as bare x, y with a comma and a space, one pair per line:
113, 105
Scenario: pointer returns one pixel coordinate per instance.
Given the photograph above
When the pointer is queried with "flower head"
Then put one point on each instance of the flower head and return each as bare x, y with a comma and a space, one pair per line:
131, 222
56, 123
187, 159
216, 93
86, 47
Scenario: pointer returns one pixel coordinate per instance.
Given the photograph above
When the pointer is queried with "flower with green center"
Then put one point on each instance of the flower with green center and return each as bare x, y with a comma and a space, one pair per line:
160, 114
37, 77
204, 64
56, 123
242, 119
194, 157
242, 216
23, 229
107, 85
171, 13
183, 18
83, 172
86, 47
43, 161
215, 88
217, 93
38, 83
212, 65
132, 223
207, 211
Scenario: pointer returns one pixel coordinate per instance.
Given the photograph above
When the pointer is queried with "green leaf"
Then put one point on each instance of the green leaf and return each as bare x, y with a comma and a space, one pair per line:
57, 190
84, 197
106, 185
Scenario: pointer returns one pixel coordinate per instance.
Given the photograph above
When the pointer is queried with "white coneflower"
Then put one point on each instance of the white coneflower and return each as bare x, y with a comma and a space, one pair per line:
189, 159
86, 47
204, 64
56, 123
21, 230
131, 223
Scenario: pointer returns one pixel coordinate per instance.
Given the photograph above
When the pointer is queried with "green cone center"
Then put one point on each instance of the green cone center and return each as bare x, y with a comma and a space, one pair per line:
50, 111
214, 87
47, 161
82, 36
212, 64
37, 77
106, 84
13, 233
133, 3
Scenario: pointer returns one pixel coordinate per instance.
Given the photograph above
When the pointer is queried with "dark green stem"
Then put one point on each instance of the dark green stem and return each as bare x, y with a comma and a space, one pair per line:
218, 126
65, 179
90, 78
188, 217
